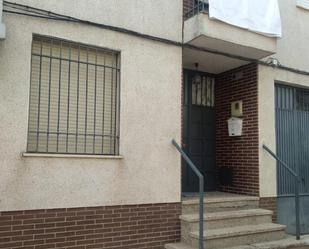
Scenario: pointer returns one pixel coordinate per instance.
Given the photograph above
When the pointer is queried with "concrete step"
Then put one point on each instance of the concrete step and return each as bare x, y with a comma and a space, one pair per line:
288, 243
215, 220
240, 235
190, 205
179, 245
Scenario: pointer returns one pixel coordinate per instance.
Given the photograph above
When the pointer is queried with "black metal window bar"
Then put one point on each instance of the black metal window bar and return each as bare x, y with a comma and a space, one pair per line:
196, 6
203, 90
74, 98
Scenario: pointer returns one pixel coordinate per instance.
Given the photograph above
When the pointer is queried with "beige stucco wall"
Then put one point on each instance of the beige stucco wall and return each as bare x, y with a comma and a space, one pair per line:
154, 17
292, 51
150, 117
292, 48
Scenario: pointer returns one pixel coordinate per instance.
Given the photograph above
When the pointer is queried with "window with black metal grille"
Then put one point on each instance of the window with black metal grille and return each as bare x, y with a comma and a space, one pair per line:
74, 98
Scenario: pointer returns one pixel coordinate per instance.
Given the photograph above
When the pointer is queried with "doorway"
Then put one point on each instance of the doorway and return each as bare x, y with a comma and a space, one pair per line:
199, 130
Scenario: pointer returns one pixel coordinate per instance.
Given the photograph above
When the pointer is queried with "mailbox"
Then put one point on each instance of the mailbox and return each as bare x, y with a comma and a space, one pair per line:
235, 127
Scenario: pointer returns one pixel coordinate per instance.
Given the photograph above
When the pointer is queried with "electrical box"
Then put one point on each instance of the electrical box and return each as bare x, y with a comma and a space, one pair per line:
235, 127
236, 109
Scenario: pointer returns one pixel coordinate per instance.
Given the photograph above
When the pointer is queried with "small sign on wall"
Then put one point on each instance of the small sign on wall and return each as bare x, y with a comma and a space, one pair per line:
236, 108
235, 127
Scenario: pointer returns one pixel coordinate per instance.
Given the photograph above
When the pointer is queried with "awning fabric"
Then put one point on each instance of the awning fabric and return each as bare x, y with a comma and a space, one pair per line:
261, 16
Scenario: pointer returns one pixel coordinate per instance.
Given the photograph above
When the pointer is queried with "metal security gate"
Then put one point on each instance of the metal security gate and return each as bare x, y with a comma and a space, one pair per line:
292, 135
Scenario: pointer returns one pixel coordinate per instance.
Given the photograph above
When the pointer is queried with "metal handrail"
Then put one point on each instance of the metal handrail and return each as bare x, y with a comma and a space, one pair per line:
198, 6
297, 183
201, 192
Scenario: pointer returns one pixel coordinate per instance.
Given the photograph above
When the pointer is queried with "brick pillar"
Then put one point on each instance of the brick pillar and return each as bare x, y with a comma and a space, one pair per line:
270, 203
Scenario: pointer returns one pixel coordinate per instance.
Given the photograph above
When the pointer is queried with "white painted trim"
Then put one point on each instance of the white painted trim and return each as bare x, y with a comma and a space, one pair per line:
50, 155
303, 4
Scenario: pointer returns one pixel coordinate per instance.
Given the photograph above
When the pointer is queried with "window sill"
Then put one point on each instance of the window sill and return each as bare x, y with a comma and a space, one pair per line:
50, 155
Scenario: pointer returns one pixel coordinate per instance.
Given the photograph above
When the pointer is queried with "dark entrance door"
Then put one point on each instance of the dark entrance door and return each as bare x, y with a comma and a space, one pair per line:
199, 130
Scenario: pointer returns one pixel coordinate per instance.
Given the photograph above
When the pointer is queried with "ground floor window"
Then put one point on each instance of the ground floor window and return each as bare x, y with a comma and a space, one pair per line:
74, 98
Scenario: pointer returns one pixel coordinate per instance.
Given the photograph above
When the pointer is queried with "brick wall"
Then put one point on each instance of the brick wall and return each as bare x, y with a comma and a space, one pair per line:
134, 226
238, 153
269, 203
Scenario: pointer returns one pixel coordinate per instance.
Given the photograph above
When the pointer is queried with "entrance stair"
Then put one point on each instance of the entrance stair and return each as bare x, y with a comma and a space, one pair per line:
233, 222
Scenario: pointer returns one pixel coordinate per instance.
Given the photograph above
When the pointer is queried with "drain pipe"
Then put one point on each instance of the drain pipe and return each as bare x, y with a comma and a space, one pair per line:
2, 26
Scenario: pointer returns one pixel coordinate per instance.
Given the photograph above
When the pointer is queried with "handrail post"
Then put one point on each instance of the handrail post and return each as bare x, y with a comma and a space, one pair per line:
297, 213
201, 192
201, 214
296, 190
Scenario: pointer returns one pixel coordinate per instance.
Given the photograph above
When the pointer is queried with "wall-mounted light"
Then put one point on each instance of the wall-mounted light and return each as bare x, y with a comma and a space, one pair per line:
273, 62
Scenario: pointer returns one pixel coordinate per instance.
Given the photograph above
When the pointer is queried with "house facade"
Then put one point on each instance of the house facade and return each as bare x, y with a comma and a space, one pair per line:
92, 96
265, 90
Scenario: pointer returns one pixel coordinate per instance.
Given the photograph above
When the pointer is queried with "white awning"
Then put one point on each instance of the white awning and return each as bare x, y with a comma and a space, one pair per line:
261, 16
